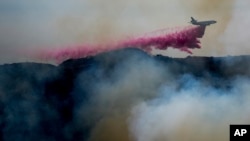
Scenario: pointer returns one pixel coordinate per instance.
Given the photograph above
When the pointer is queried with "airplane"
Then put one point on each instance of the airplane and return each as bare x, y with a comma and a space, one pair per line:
202, 23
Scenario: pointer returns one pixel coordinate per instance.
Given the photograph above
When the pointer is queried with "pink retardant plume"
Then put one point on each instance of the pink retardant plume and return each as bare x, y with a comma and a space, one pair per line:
182, 38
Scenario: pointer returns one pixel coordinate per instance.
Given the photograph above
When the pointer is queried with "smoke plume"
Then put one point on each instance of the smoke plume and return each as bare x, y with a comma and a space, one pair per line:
195, 112
125, 95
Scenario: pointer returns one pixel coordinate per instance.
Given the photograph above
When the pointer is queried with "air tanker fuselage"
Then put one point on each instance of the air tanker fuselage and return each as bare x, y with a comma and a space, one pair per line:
202, 23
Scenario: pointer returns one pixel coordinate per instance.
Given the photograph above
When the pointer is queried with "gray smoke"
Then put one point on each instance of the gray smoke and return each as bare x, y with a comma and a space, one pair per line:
55, 24
150, 100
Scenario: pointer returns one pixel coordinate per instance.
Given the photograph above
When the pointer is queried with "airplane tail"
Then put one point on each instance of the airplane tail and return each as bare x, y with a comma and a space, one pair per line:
193, 20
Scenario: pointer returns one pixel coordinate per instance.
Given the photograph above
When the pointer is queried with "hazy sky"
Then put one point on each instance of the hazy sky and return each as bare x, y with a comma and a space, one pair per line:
54, 23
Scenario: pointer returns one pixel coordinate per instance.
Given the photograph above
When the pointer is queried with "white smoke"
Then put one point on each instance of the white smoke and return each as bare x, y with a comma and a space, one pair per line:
196, 112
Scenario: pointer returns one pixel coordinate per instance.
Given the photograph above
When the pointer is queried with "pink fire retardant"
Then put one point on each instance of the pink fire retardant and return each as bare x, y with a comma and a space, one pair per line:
182, 38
